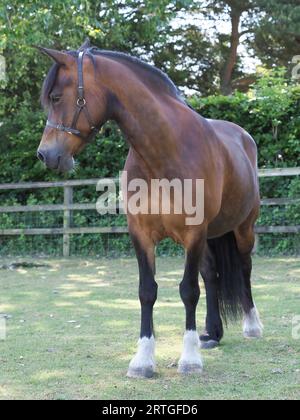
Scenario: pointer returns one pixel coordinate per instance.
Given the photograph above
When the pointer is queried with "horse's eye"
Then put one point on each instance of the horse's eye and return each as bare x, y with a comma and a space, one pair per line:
55, 98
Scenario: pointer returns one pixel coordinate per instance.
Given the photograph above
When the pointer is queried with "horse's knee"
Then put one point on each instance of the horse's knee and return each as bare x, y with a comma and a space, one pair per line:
189, 293
148, 294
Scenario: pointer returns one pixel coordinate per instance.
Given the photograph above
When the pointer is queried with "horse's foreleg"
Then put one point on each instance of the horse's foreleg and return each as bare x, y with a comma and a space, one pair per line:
190, 361
214, 326
143, 363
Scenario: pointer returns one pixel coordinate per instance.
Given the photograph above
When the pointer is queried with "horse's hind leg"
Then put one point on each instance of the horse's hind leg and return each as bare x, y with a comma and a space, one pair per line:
214, 326
190, 361
252, 327
143, 363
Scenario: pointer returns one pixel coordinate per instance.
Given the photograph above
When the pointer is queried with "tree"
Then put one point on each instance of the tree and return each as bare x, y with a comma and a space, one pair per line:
277, 37
188, 57
236, 10
270, 31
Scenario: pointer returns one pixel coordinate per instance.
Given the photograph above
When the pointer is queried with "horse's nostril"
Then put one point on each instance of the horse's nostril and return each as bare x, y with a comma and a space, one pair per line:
41, 156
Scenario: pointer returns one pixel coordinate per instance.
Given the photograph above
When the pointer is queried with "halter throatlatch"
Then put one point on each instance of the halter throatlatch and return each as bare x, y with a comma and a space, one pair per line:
81, 105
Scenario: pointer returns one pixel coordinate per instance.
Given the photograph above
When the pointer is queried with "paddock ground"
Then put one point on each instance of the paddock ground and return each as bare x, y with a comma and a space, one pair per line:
72, 328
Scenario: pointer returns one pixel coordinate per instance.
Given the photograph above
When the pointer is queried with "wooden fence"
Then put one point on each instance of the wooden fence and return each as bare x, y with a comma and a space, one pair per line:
69, 206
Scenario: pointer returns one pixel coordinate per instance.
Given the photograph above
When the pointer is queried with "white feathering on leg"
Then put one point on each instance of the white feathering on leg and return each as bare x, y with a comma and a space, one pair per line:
252, 328
190, 360
143, 361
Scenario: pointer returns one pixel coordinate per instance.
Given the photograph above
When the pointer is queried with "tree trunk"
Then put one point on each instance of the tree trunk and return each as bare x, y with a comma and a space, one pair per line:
227, 72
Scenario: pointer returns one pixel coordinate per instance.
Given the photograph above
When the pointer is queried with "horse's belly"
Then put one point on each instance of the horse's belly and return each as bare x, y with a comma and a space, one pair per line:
219, 227
226, 221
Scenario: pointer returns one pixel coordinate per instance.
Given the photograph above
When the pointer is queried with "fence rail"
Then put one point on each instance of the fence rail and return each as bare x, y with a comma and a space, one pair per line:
69, 206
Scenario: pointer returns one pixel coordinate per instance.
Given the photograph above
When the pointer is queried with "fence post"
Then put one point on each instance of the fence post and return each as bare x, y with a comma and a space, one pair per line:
256, 244
68, 200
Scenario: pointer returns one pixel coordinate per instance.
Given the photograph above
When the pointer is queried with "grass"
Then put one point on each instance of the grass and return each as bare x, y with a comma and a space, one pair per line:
73, 327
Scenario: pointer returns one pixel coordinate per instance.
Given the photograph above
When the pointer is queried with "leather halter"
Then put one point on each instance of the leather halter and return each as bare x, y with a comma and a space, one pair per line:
81, 105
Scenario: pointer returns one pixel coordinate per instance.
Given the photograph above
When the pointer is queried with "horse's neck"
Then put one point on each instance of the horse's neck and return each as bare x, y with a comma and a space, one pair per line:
148, 131
144, 118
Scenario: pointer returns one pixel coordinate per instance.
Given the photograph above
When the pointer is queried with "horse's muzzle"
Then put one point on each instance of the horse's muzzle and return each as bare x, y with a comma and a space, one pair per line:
50, 158
53, 160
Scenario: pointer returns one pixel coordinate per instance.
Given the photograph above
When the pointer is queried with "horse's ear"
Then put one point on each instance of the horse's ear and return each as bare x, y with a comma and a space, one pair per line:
59, 57
85, 45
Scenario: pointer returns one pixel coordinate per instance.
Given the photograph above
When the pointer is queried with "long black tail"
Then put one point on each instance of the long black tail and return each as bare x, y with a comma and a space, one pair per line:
230, 282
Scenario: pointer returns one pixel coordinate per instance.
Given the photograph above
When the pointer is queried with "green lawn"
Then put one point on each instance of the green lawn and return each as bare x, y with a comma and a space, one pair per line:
73, 327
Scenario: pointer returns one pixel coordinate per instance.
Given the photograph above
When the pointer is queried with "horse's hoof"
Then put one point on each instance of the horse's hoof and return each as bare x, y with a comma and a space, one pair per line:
207, 343
141, 372
210, 344
253, 333
190, 368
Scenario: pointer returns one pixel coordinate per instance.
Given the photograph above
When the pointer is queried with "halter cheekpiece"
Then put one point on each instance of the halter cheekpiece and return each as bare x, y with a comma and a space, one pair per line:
81, 105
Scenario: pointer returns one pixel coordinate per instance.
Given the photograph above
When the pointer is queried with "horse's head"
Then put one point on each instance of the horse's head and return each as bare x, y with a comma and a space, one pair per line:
76, 105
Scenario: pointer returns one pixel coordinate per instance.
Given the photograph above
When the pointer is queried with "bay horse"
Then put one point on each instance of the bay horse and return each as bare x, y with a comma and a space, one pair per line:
168, 140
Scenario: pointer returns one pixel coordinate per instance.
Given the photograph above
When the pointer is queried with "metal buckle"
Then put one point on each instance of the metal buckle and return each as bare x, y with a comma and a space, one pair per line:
81, 102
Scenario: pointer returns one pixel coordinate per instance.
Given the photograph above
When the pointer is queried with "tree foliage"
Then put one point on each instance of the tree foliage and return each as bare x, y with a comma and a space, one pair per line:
160, 31
277, 37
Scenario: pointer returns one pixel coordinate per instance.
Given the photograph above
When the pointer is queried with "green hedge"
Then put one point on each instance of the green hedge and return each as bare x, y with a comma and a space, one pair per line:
270, 113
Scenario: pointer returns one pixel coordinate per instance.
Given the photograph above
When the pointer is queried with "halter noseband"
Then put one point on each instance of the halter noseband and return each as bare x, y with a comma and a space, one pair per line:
80, 106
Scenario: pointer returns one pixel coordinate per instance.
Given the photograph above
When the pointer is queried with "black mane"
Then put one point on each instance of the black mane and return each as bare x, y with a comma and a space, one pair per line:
160, 77
154, 71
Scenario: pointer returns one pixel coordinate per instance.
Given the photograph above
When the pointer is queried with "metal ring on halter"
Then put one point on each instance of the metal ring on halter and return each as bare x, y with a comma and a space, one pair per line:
81, 102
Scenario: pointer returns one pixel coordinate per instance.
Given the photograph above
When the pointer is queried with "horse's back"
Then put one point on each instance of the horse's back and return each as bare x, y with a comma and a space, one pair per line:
235, 139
